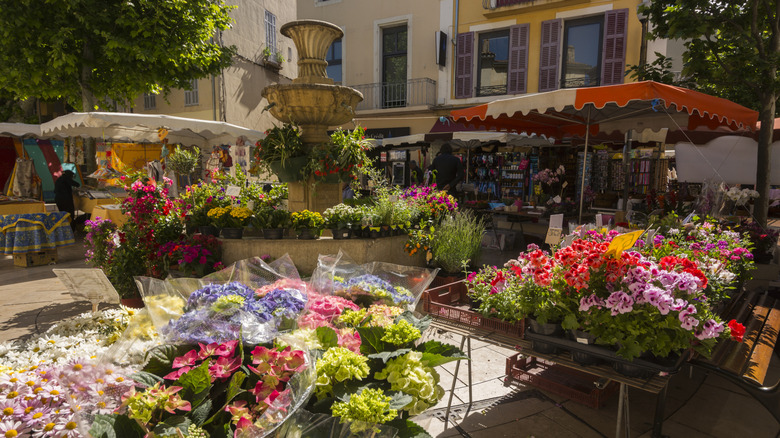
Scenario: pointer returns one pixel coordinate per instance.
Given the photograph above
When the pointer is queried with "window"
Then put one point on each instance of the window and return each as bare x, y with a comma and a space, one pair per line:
492, 63
270, 32
150, 101
334, 61
394, 46
191, 96
582, 42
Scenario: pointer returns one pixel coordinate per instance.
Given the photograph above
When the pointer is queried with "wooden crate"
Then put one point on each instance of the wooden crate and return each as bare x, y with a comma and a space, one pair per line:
36, 258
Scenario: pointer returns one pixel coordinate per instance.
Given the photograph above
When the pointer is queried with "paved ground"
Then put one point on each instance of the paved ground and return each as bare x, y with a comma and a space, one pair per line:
698, 405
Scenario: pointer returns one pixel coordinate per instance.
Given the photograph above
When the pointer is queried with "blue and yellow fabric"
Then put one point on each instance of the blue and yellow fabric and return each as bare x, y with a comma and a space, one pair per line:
21, 233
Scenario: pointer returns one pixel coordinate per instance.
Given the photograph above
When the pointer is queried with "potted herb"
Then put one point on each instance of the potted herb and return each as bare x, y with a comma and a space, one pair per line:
272, 220
282, 153
456, 241
308, 224
183, 162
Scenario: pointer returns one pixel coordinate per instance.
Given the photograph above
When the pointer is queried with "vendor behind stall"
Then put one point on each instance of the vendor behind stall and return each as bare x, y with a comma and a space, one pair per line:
63, 193
448, 169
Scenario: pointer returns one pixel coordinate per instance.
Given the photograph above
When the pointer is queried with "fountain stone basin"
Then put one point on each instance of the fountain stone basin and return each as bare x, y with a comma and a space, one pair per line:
313, 107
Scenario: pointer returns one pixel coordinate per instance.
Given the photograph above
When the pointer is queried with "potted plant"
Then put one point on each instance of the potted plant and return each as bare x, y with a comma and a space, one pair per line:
456, 241
272, 220
193, 256
197, 200
281, 152
339, 220
308, 224
183, 162
231, 220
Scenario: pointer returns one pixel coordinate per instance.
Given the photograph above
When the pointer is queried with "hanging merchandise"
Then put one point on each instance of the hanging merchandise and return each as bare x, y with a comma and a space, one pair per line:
24, 181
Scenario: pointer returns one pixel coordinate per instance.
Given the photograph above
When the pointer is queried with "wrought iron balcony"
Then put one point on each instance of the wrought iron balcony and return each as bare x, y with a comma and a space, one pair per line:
493, 4
381, 95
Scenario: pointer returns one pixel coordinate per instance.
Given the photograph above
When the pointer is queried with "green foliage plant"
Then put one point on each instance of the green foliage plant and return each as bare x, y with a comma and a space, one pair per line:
457, 240
184, 161
280, 144
90, 52
267, 217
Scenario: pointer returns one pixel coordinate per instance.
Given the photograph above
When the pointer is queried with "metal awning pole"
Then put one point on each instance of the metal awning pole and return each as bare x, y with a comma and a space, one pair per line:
584, 165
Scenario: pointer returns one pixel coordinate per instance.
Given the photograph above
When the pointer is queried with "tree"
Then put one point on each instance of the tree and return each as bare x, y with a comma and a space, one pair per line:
733, 51
94, 51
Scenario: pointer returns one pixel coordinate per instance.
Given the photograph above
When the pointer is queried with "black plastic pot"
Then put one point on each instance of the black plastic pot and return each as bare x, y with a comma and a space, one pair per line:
273, 233
341, 233
232, 233
208, 230
308, 234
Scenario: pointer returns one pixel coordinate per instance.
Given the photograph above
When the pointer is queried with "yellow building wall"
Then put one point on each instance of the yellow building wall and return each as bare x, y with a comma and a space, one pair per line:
472, 15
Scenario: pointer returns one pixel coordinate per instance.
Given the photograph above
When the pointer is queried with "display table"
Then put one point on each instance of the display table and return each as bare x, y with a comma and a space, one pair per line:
22, 207
111, 212
87, 205
22, 233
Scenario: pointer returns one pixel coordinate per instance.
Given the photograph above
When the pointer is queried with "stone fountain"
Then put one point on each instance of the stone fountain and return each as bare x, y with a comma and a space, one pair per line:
313, 103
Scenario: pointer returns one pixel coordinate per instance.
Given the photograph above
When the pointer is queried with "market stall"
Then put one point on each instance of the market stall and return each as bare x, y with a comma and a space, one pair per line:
627, 108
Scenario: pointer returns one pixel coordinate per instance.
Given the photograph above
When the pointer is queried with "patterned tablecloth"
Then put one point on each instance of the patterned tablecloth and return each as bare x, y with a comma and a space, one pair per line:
21, 233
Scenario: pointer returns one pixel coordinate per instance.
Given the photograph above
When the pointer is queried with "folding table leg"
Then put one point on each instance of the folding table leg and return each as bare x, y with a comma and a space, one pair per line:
455, 381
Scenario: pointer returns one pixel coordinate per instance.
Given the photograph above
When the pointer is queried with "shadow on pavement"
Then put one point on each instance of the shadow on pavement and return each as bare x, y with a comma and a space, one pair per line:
29, 322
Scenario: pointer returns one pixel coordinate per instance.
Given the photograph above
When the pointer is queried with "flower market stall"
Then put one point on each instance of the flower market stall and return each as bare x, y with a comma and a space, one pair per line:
585, 112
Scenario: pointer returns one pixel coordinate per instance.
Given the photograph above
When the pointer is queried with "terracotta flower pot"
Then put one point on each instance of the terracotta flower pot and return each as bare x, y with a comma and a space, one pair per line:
135, 303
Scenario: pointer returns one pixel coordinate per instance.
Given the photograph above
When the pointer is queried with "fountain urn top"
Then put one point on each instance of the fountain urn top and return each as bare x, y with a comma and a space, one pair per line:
312, 39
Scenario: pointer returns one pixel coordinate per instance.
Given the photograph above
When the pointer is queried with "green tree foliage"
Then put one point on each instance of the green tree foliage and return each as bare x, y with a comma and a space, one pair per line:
733, 51
93, 51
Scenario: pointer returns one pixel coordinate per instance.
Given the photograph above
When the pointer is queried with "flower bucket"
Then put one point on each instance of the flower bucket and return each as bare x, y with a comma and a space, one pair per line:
273, 233
232, 233
308, 234
135, 303
341, 233
208, 230
292, 169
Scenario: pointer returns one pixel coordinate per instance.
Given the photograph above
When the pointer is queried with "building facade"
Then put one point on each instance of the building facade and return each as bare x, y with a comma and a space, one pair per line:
263, 57
389, 53
512, 47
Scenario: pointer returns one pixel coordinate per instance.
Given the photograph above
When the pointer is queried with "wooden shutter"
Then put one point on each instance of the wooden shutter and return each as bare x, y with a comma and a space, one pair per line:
614, 51
517, 82
548, 61
464, 63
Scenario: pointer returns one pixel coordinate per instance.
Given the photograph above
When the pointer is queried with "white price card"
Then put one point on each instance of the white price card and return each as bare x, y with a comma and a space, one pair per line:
233, 190
599, 221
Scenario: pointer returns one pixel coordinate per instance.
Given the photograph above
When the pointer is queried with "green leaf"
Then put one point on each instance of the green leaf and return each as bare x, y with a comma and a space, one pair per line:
570, 322
436, 353
420, 323
398, 399
327, 337
408, 428
171, 425
371, 338
115, 426
196, 384
201, 413
147, 379
387, 355
160, 359
235, 385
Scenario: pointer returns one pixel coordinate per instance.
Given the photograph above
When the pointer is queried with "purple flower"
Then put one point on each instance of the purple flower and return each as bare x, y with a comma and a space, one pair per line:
619, 302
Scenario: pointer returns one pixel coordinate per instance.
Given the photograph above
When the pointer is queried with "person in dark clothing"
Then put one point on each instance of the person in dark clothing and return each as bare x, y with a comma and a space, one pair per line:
415, 173
63, 193
448, 168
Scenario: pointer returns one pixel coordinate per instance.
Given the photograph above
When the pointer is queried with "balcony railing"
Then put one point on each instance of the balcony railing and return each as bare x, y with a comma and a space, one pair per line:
493, 4
414, 92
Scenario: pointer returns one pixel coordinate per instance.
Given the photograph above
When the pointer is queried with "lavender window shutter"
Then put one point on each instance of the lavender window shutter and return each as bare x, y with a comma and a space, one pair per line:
614, 50
517, 82
464, 62
548, 62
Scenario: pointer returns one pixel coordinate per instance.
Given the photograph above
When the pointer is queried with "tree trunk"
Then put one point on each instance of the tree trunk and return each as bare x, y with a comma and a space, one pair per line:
87, 97
764, 157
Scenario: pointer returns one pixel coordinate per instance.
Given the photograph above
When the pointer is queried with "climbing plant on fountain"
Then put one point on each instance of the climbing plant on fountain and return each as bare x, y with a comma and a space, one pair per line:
389, 380
132, 250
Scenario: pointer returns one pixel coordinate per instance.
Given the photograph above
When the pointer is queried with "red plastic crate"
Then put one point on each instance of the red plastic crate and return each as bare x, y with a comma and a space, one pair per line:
449, 302
558, 379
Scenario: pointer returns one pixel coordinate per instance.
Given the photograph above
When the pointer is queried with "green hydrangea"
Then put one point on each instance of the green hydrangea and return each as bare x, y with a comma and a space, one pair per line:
353, 318
196, 432
401, 333
227, 302
366, 409
337, 365
410, 375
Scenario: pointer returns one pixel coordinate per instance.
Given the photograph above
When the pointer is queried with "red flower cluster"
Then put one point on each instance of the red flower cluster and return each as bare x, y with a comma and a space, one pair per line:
682, 264
737, 330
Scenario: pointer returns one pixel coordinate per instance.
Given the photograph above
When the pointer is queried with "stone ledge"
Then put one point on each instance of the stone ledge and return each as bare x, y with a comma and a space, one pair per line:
305, 252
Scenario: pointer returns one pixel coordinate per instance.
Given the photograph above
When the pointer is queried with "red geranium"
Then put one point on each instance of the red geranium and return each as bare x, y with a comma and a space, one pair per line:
737, 330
